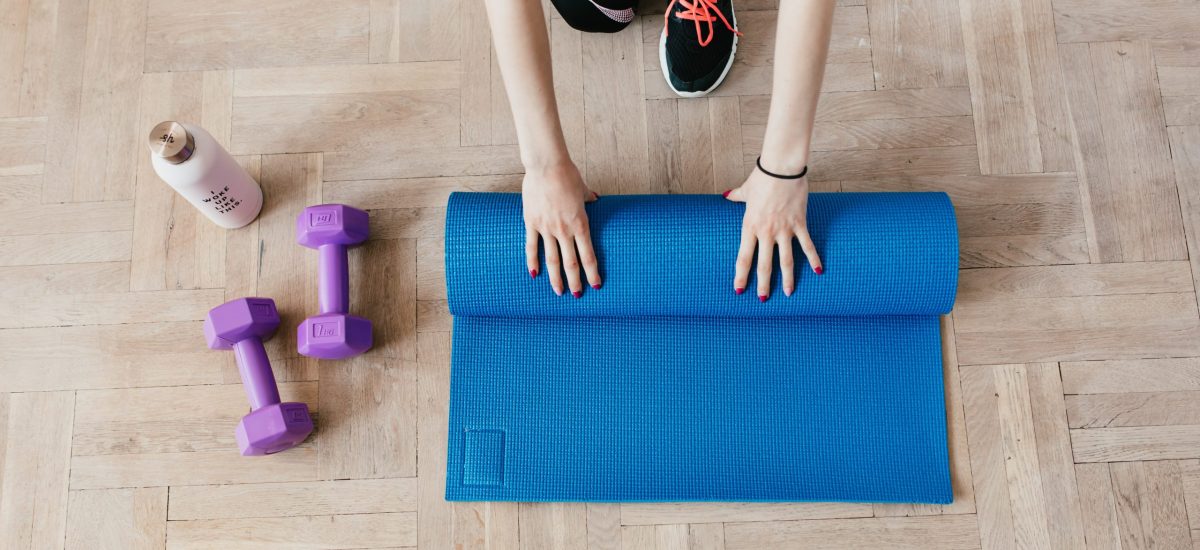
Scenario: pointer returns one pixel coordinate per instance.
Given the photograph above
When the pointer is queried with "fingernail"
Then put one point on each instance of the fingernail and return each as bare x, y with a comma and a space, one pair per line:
576, 293
788, 292
533, 273
596, 286
762, 298
738, 290
820, 270
726, 193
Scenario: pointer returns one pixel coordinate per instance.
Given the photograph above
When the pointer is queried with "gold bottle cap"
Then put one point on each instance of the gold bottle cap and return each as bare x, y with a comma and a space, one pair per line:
171, 142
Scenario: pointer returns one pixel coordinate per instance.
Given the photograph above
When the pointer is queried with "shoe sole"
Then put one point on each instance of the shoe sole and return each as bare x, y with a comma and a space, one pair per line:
662, 62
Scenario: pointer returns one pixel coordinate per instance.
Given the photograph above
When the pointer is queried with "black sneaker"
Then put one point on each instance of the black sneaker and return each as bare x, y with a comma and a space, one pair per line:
698, 41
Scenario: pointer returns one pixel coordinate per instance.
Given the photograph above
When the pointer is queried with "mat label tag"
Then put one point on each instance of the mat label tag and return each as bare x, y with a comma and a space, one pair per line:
483, 458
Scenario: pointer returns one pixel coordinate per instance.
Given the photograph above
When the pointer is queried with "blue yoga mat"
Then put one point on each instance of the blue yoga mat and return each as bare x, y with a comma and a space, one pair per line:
664, 385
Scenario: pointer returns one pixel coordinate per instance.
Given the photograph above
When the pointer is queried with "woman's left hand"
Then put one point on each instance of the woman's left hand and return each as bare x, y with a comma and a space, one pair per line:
776, 212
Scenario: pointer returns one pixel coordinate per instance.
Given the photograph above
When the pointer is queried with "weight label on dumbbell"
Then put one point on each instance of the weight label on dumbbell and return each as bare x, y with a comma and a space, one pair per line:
325, 330
327, 217
262, 309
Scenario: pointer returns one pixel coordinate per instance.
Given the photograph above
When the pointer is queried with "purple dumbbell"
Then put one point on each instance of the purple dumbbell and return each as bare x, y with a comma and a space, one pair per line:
334, 333
271, 426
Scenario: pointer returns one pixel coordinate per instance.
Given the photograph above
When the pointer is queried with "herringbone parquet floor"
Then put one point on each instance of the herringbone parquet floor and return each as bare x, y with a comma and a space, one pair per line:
1067, 132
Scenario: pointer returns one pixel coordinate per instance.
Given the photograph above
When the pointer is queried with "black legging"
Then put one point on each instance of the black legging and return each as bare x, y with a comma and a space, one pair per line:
596, 15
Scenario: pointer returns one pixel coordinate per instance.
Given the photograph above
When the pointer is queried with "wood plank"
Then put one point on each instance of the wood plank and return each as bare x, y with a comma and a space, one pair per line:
1136, 443
616, 162
706, 536
341, 121
63, 100
708, 512
63, 219
108, 246
888, 133
1075, 280
486, 525
14, 18
417, 192
192, 468
106, 356
300, 498
916, 44
1105, 410
1103, 313
22, 146
433, 396
108, 109
927, 533
1099, 510
1080, 312
37, 465
1077, 345
566, 54
475, 121
604, 526
1016, 87
107, 309
1185, 154
872, 105
1064, 520
168, 419
369, 418
118, 518
1139, 375
347, 79
414, 31
981, 401
44, 280
728, 167
1083, 21
1116, 116
287, 271
1149, 505
385, 291
553, 525
250, 33
388, 160
340, 531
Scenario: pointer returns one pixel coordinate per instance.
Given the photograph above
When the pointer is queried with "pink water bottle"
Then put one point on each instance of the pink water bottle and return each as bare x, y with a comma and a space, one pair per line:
189, 160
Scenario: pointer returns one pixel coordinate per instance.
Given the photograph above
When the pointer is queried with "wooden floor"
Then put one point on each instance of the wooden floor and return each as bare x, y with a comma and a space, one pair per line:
1067, 132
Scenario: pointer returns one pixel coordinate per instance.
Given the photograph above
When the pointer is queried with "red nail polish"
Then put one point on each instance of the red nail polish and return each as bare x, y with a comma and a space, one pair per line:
820, 270
762, 298
726, 193
533, 273
576, 293
596, 286
738, 290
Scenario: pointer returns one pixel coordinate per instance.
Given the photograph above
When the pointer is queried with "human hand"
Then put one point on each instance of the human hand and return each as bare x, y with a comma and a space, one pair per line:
552, 198
776, 213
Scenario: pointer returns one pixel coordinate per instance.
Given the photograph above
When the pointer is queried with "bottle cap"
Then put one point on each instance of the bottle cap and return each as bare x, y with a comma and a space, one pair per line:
171, 142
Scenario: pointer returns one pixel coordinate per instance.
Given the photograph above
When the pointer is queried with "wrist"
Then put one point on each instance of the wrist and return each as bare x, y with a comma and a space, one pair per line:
784, 161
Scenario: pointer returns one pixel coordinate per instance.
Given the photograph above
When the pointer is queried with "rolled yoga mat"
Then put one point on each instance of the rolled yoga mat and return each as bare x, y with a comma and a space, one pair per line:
664, 385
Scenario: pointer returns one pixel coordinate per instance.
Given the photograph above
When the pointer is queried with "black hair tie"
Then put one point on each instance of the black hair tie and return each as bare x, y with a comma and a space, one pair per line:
758, 162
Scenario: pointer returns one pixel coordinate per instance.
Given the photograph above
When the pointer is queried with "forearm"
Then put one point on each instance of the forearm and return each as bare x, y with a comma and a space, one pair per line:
523, 53
801, 45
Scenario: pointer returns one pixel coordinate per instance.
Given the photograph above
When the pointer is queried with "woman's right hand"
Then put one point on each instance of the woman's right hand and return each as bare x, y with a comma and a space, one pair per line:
552, 198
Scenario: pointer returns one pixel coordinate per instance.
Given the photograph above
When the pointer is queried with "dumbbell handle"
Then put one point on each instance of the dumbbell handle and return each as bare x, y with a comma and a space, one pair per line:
333, 291
255, 368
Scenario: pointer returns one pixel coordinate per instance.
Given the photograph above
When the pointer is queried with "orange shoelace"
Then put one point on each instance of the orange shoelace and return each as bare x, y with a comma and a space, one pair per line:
699, 11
